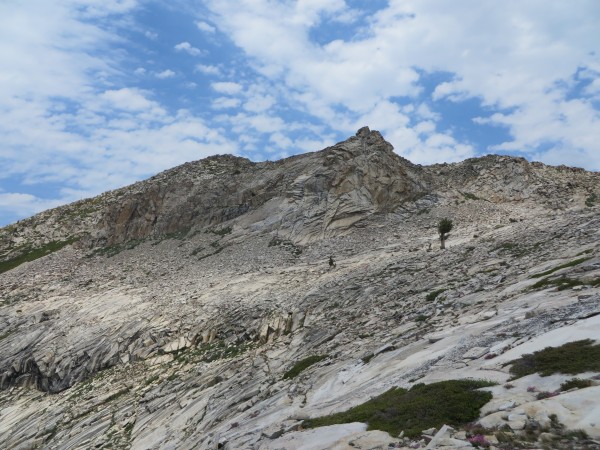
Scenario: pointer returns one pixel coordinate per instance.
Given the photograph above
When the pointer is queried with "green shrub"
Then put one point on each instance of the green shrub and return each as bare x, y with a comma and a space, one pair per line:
575, 383
302, 365
454, 402
571, 358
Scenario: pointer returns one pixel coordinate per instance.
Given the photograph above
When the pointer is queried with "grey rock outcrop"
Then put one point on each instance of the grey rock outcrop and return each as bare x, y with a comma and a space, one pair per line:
165, 314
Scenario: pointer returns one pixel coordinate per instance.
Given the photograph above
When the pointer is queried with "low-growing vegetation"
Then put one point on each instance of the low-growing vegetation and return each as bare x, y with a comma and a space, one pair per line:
561, 283
470, 196
591, 200
454, 402
113, 250
32, 254
571, 358
302, 365
221, 231
518, 249
433, 295
288, 245
573, 383
367, 358
562, 266
148, 381
208, 352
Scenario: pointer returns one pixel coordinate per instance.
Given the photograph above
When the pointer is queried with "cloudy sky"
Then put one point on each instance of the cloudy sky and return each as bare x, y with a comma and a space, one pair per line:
96, 94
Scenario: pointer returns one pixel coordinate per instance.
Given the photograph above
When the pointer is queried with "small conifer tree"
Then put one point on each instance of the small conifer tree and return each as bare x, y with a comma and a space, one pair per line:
444, 228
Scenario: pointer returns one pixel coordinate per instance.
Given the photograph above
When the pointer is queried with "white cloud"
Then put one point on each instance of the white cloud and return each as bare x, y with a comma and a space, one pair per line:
128, 99
140, 71
226, 102
188, 48
26, 204
514, 57
259, 103
207, 69
68, 119
227, 87
151, 35
206, 27
168, 73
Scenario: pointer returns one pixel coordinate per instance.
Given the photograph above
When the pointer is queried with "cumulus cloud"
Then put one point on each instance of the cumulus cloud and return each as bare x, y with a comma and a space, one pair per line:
206, 27
207, 69
128, 99
227, 87
167, 73
188, 48
226, 102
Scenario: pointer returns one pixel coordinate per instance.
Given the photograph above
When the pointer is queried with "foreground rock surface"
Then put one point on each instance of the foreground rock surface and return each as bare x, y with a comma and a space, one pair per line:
172, 317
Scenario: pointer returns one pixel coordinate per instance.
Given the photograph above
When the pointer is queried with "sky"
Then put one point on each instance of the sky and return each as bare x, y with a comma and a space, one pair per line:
97, 94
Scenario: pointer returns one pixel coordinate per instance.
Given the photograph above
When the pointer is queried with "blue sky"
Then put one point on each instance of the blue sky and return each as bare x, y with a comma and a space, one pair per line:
97, 94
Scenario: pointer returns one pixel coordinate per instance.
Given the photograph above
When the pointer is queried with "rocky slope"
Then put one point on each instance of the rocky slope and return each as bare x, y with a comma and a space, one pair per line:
165, 314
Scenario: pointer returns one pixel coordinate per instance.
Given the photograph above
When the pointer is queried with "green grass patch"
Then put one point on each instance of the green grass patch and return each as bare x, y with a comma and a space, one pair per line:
591, 200
208, 352
178, 235
221, 231
586, 252
561, 283
470, 196
118, 248
507, 246
33, 254
570, 358
433, 295
454, 402
517, 249
148, 381
562, 266
5, 335
289, 245
302, 365
367, 358
117, 394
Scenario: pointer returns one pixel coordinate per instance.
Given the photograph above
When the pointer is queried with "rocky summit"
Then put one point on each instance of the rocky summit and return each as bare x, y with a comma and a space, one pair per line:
239, 305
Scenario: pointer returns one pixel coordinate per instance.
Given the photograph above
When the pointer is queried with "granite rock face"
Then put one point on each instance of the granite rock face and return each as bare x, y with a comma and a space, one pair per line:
165, 314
